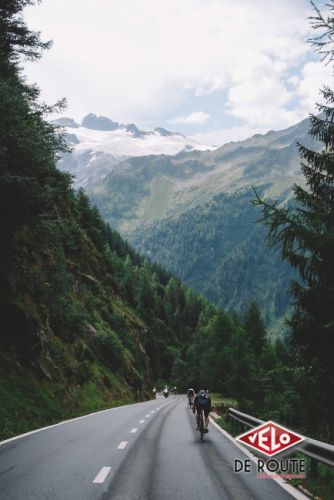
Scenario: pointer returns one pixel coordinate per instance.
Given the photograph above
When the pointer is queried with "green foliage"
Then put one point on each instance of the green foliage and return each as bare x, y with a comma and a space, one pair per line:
219, 251
255, 328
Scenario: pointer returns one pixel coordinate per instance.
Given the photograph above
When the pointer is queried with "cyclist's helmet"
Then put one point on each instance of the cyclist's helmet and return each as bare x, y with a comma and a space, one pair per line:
202, 392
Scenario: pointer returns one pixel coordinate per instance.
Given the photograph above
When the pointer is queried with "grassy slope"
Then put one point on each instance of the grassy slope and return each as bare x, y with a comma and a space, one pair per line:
29, 402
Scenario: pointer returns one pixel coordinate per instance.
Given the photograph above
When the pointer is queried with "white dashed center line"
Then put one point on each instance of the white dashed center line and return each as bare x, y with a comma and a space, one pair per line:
122, 445
153, 411
148, 415
100, 478
133, 430
141, 421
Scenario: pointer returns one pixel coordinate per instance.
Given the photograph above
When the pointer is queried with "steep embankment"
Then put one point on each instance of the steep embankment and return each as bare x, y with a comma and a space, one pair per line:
70, 342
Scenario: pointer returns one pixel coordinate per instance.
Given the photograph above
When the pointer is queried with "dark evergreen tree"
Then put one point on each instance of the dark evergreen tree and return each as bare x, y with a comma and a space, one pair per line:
240, 370
255, 329
15, 37
305, 234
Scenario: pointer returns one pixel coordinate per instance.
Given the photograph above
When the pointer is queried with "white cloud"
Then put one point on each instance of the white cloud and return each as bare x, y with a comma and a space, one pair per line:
197, 117
259, 95
313, 76
140, 61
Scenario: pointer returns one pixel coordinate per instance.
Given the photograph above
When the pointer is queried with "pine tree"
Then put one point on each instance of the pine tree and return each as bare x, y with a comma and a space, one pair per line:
30, 184
15, 37
305, 234
255, 329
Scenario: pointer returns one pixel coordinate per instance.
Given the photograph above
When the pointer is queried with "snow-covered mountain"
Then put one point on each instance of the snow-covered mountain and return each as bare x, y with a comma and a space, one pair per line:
98, 144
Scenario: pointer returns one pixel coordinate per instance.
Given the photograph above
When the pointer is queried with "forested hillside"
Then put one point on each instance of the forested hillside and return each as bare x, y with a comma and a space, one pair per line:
219, 250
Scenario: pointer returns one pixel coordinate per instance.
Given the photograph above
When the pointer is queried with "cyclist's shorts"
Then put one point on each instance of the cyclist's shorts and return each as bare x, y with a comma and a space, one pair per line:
205, 408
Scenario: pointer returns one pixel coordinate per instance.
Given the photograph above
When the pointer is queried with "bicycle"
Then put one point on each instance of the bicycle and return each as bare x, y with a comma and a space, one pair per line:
201, 426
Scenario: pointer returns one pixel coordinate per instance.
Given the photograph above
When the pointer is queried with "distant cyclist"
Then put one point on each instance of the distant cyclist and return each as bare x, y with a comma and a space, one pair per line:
190, 396
202, 401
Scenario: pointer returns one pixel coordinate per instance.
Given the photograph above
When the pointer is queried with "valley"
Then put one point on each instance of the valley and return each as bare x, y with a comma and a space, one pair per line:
173, 209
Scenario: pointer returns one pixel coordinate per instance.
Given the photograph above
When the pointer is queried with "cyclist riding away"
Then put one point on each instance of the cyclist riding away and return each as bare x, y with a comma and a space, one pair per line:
190, 396
202, 401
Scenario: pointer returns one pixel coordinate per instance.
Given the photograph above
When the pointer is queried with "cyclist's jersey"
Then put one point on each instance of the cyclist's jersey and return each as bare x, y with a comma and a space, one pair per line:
201, 402
191, 393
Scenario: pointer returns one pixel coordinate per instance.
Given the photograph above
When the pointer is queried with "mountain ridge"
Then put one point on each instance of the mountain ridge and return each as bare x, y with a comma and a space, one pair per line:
98, 144
190, 178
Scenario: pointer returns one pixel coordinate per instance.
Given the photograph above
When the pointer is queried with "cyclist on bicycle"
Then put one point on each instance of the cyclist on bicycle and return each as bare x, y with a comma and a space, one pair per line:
202, 401
190, 396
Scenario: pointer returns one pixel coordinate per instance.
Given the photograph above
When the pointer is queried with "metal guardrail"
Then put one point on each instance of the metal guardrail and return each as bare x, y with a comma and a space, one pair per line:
244, 418
321, 452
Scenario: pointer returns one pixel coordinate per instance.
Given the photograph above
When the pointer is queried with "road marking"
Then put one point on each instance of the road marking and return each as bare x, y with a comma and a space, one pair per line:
122, 445
100, 478
141, 421
148, 415
9, 440
153, 411
133, 430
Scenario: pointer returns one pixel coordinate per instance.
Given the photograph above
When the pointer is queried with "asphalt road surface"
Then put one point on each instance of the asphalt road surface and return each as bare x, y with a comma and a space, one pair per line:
143, 451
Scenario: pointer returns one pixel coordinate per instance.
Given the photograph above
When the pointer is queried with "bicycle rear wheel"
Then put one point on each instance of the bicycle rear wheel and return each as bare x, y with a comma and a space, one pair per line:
201, 427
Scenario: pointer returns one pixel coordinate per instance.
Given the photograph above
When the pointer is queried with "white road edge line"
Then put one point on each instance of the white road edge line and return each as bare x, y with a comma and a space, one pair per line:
134, 430
287, 487
67, 422
100, 478
122, 445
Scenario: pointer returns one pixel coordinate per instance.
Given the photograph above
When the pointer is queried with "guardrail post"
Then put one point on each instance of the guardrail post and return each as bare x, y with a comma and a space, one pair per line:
313, 468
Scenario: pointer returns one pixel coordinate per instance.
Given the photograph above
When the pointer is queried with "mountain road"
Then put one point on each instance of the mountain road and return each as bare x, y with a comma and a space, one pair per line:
143, 451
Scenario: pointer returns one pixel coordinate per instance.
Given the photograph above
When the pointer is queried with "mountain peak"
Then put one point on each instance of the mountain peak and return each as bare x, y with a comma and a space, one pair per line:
66, 122
166, 133
94, 122
135, 131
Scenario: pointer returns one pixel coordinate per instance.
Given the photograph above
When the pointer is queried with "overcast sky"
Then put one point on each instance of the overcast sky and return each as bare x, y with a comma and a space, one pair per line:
215, 70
